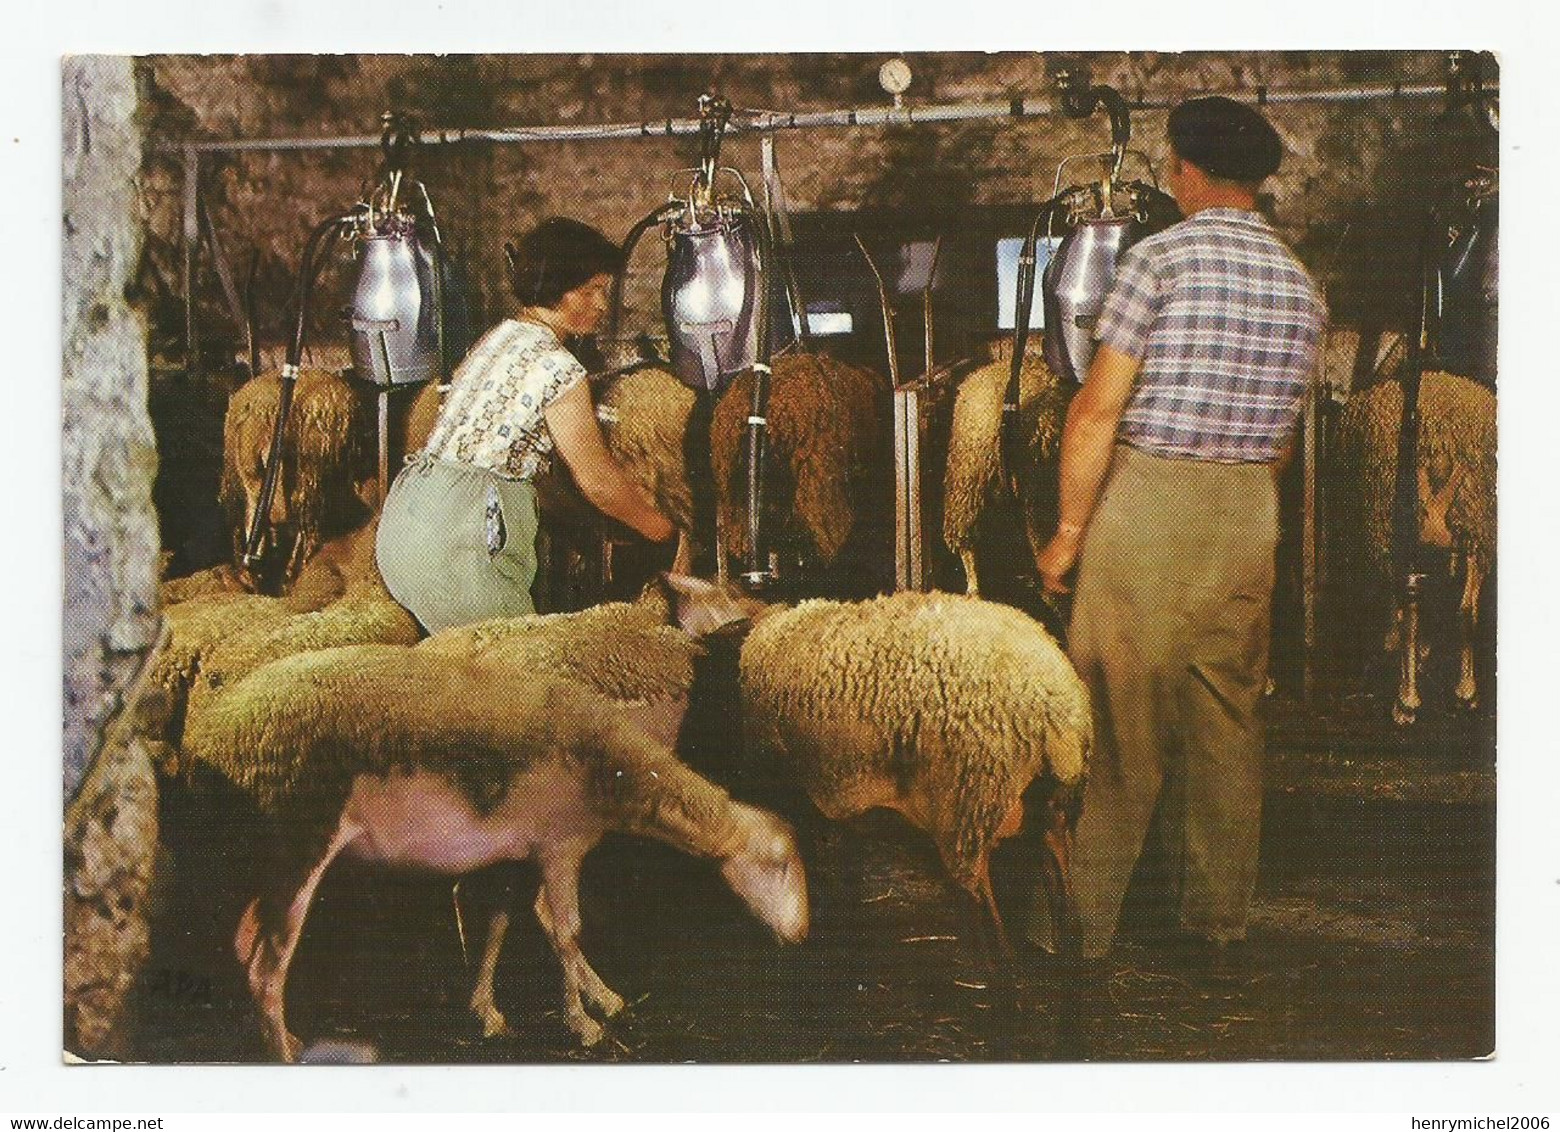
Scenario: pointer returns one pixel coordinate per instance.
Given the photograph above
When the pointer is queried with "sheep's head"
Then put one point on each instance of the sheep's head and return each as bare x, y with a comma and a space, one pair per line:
703, 609
766, 871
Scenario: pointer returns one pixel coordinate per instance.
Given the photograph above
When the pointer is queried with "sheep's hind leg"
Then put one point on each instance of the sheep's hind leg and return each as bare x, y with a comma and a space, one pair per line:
267, 953
971, 577
1467, 691
494, 1024
558, 910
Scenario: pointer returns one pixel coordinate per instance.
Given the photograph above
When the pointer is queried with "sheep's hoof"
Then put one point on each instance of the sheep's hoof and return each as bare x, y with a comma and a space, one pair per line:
610, 1003
587, 1029
288, 1047
1466, 703
1404, 714
494, 1024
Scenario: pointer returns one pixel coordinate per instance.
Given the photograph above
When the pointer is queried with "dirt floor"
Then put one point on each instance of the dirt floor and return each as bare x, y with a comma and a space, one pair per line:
1372, 937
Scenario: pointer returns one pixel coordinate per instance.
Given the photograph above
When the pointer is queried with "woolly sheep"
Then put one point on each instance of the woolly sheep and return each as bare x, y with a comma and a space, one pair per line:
626, 652
336, 565
210, 633
645, 414
941, 707
322, 451
972, 478
427, 761
824, 434
365, 614
1455, 466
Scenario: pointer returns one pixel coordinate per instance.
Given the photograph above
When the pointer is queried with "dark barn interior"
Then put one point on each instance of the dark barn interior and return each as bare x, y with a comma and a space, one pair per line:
1372, 932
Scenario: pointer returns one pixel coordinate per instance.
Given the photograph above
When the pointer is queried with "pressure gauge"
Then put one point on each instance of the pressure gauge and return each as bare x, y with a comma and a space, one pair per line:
894, 77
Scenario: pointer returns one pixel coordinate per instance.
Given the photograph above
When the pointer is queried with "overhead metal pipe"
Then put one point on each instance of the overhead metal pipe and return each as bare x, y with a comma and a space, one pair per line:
767, 122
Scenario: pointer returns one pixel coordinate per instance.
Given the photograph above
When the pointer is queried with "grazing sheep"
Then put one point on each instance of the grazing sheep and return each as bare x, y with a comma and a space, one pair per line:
1455, 466
419, 760
972, 478
316, 492
942, 707
824, 433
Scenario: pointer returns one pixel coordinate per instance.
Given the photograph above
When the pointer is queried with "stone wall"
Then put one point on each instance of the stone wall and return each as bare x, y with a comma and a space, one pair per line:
110, 555
1348, 169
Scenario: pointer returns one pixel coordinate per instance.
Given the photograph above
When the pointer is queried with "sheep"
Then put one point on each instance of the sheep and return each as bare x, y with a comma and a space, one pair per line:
337, 564
447, 763
824, 433
210, 634
942, 707
1455, 467
972, 478
365, 614
645, 415
626, 652
316, 490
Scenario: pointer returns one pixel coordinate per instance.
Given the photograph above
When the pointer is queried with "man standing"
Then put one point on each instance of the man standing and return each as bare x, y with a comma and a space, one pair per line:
1168, 508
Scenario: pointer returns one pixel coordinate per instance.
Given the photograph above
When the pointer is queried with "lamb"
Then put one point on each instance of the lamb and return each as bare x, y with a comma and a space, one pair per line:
824, 433
322, 453
1455, 466
972, 478
420, 760
942, 707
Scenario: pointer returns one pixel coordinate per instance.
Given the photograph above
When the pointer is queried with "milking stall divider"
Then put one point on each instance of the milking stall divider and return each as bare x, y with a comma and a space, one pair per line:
909, 397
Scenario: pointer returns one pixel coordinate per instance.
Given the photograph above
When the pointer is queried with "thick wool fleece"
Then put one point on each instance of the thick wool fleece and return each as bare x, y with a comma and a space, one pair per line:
943, 707
972, 476
824, 435
294, 734
624, 651
1456, 449
320, 456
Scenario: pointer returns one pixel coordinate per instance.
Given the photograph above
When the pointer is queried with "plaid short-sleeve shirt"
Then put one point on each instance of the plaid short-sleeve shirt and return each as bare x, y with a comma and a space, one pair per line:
1227, 323
492, 417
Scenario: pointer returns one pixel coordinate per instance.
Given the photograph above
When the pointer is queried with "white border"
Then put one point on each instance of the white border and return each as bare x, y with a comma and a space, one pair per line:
1522, 1077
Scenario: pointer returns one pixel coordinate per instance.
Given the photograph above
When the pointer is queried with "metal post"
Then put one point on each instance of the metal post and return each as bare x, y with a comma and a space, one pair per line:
384, 443
908, 574
191, 243
1308, 551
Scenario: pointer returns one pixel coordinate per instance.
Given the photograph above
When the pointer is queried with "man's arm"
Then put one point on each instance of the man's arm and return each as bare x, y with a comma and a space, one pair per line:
1088, 441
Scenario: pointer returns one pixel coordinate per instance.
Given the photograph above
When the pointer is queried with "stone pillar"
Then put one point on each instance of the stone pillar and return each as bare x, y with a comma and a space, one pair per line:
110, 556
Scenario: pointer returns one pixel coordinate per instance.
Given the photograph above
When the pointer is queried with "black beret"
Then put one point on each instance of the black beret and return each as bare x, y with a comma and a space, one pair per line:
1225, 139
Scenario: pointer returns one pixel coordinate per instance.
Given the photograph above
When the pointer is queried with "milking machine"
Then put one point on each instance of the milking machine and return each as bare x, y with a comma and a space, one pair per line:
716, 299
396, 313
1458, 317
1101, 218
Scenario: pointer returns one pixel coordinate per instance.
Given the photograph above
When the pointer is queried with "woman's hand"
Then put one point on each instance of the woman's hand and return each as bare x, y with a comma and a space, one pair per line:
571, 420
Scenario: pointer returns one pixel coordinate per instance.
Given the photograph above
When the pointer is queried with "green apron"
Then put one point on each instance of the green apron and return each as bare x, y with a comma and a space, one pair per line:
457, 543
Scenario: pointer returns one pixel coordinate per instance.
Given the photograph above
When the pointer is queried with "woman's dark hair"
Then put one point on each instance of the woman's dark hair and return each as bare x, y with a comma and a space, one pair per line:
557, 256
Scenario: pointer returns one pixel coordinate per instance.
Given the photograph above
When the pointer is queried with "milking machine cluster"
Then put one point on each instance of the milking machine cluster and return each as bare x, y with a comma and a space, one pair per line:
1102, 218
1457, 322
716, 298
396, 313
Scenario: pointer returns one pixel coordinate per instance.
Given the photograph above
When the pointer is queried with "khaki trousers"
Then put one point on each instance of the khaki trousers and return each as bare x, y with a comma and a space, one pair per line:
1170, 634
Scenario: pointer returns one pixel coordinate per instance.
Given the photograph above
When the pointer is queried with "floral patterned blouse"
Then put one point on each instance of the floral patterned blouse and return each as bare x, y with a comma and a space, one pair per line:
492, 415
